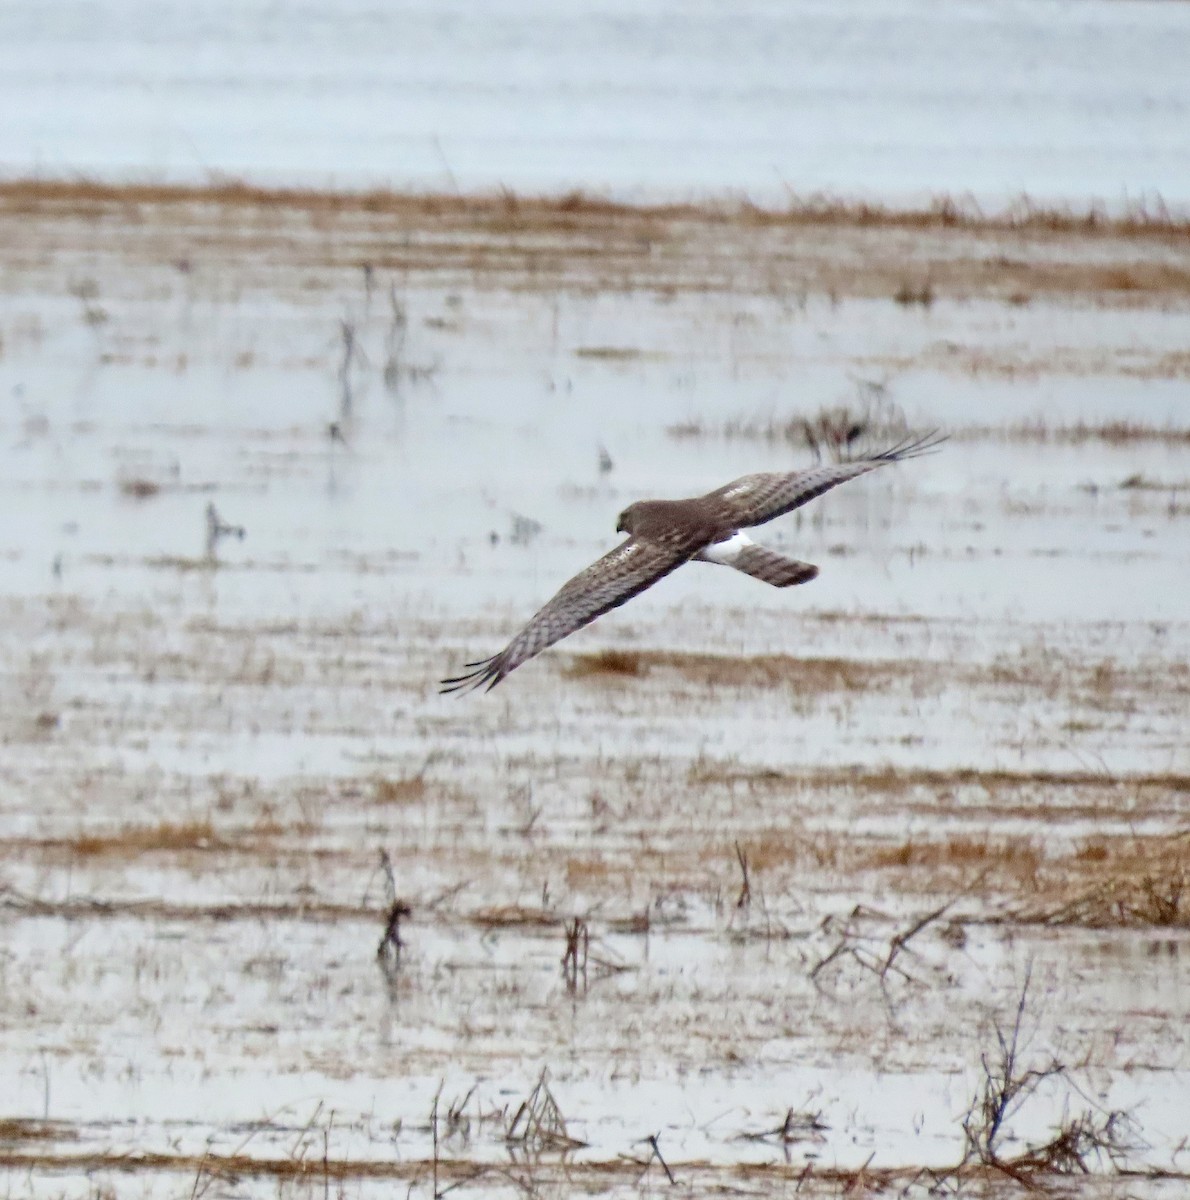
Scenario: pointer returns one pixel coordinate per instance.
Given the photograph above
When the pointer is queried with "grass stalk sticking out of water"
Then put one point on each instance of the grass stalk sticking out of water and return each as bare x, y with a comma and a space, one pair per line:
1079, 1141
538, 1122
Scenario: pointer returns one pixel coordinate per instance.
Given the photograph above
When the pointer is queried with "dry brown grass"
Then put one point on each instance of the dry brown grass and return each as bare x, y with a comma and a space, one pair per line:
609, 353
1115, 885
504, 209
797, 431
914, 866
1112, 433
775, 849
1016, 855
1102, 883
168, 837
1109, 883
515, 916
909, 294
590, 870
615, 663
549, 1175
1012, 363
942, 783
816, 244
841, 430
1095, 1138
806, 675
156, 910
229, 1167
139, 489
1106, 684
411, 790
27, 1129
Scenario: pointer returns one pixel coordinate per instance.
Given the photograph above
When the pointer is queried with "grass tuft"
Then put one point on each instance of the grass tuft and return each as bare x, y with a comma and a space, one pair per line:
909, 294
139, 489
410, 790
616, 663
168, 837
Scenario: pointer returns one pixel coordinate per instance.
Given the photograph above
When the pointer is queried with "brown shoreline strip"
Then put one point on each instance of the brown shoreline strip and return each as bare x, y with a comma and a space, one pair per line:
943, 212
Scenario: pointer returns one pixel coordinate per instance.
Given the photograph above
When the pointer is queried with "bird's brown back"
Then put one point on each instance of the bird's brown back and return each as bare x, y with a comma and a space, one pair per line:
696, 522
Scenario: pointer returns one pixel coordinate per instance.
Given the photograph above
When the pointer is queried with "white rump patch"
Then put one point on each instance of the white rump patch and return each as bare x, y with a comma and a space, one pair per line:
727, 552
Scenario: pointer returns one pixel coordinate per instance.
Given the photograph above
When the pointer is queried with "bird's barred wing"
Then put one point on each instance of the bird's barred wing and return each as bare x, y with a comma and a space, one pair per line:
755, 499
606, 584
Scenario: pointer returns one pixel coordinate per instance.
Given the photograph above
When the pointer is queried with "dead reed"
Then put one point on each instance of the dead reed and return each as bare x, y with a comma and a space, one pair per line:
744, 900
574, 960
1157, 897
388, 951
1079, 1142
538, 1122
217, 530
799, 1125
652, 1141
861, 942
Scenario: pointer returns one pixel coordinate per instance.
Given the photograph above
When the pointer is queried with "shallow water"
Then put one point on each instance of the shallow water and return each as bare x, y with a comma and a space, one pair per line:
980, 700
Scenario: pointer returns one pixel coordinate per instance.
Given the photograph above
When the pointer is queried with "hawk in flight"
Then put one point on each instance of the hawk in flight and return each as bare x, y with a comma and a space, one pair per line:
664, 534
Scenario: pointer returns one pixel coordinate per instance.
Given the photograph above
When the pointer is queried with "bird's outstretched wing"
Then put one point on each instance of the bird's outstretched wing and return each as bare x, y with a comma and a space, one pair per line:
755, 499
606, 584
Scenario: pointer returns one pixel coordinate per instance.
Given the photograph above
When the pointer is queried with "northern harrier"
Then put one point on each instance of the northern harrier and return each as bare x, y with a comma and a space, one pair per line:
664, 534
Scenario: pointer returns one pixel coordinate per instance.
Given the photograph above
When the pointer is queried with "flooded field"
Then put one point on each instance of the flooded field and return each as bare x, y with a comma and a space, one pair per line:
877, 885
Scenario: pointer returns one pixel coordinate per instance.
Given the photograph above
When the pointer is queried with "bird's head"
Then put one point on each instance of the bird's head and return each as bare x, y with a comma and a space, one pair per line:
626, 520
